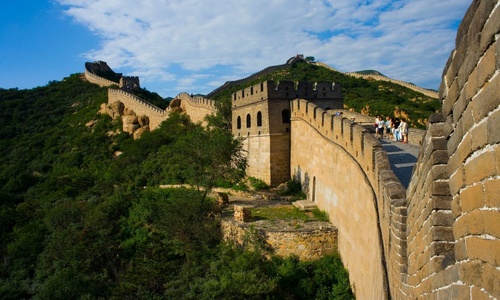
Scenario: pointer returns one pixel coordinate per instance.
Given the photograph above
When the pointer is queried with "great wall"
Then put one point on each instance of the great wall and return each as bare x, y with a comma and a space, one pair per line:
437, 239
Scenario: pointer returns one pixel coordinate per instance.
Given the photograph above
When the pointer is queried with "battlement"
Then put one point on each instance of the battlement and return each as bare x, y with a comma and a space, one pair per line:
343, 166
129, 82
288, 90
197, 108
93, 78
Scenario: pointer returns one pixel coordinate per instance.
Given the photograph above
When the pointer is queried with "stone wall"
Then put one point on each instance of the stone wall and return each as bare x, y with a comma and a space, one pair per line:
347, 174
93, 78
458, 216
197, 108
305, 244
140, 107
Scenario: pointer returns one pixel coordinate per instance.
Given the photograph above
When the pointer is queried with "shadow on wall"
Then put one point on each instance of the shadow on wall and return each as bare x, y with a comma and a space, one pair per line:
305, 183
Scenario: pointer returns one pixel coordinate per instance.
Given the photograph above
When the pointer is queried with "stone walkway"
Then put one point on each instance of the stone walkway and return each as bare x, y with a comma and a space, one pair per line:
402, 158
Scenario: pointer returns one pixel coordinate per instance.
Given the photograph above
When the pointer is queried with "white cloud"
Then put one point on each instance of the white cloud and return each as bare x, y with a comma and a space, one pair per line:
171, 41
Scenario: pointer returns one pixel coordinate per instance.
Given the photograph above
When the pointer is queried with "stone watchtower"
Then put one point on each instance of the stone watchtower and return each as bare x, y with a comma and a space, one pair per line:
129, 82
261, 115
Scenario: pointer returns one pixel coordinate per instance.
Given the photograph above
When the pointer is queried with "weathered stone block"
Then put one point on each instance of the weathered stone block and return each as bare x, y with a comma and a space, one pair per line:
472, 197
491, 280
478, 293
441, 233
456, 181
439, 157
242, 213
460, 155
459, 107
441, 218
481, 167
487, 100
492, 193
476, 250
486, 67
480, 136
440, 188
460, 249
441, 202
454, 140
492, 131
456, 209
471, 272
491, 221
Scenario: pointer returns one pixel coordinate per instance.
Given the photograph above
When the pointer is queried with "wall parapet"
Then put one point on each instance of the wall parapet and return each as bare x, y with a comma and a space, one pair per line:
197, 108
198, 101
93, 78
390, 195
153, 108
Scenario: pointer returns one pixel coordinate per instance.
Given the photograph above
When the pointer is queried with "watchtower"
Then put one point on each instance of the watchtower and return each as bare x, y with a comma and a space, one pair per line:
261, 115
129, 82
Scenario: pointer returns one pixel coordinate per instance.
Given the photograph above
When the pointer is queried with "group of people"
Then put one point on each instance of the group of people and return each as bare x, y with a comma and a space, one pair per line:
394, 128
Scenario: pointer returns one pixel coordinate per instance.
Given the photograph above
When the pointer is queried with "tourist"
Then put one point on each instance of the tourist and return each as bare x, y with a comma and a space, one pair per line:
375, 124
404, 131
388, 125
396, 130
380, 127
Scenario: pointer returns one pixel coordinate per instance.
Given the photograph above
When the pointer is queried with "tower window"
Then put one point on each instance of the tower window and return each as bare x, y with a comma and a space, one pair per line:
259, 119
285, 116
238, 122
249, 121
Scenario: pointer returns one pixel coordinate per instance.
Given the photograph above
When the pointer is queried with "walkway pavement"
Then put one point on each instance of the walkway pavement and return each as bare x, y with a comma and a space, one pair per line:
402, 158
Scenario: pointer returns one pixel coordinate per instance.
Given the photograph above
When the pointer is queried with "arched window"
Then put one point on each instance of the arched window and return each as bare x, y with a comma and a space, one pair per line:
238, 122
285, 116
249, 121
259, 119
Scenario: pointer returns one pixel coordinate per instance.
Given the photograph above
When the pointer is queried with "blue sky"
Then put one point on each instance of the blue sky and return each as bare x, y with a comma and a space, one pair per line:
195, 46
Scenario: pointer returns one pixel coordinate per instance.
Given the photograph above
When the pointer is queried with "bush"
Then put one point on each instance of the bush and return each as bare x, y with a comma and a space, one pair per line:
258, 184
294, 188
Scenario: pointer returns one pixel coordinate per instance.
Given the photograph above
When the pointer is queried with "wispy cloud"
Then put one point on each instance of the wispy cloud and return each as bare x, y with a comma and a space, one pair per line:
199, 45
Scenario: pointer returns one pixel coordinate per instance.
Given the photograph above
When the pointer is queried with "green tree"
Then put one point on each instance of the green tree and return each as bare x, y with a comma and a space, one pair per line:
207, 155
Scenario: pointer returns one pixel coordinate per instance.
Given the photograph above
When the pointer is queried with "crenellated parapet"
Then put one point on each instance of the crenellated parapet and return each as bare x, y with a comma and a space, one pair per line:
93, 78
197, 108
288, 90
347, 173
138, 106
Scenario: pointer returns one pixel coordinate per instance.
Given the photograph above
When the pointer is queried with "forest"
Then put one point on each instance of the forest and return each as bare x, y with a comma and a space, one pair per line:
80, 221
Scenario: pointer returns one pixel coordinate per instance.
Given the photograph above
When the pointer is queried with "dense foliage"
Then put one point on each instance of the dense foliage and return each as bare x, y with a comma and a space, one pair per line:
370, 97
77, 221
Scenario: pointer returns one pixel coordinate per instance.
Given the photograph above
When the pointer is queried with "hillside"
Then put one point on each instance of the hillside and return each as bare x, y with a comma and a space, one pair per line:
81, 214
369, 97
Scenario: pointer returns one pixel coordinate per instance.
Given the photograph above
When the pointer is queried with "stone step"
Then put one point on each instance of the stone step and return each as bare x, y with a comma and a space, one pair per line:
305, 205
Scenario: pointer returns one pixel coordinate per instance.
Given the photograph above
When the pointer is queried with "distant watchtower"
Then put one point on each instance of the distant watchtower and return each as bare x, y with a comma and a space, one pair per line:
128, 83
261, 115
